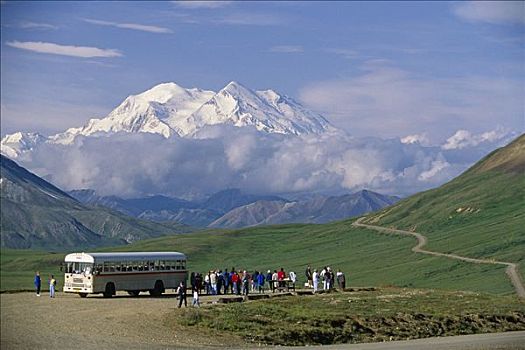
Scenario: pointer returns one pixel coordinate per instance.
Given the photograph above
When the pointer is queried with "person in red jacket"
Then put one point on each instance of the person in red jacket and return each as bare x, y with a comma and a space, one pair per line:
235, 282
280, 277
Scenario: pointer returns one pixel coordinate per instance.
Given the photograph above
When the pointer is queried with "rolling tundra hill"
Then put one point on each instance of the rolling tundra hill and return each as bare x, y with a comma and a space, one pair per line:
481, 213
36, 214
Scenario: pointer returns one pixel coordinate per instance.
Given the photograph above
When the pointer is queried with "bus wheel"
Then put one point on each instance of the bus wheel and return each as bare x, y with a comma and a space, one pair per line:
134, 293
158, 290
82, 295
110, 290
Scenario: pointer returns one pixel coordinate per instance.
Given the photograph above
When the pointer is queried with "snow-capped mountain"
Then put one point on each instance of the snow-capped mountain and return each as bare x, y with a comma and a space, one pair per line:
265, 110
169, 109
19, 142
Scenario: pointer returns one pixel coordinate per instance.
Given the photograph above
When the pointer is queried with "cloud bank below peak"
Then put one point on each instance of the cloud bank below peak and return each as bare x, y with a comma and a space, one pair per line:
141, 164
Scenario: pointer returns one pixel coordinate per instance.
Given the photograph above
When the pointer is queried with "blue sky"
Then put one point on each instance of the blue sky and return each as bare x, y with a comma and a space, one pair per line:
387, 69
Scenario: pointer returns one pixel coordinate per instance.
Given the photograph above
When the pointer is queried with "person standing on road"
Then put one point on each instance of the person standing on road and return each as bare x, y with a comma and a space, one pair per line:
308, 275
52, 285
274, 279
245, 283
260, 282
341, 279
38, 283
293, 278
315, 277
281, 275
181, 292
226, 277
195, 301
213, 282
323, 277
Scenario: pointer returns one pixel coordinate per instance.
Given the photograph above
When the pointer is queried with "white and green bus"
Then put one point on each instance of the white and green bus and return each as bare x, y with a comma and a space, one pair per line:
134, 272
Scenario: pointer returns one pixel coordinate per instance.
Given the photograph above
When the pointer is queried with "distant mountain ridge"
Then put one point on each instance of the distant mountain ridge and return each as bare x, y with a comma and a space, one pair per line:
232, 209
318, 210
170, 110
36, 214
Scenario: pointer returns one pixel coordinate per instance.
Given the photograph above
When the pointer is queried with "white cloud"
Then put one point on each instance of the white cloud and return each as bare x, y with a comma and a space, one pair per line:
499, 12
202, 4
142, 164
64, 50
388, 102
133, 26
464, 138
417, 138
287, 49
436, 167
36, 25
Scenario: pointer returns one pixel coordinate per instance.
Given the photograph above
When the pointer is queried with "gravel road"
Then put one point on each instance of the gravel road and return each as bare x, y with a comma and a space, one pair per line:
69, 322
123, 322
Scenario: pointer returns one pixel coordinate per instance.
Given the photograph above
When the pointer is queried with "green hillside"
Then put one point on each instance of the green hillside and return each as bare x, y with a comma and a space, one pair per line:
367, 258
478, 214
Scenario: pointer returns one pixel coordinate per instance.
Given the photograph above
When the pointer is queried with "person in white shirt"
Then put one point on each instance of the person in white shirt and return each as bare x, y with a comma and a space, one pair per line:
315, 278
213, 282
196, 302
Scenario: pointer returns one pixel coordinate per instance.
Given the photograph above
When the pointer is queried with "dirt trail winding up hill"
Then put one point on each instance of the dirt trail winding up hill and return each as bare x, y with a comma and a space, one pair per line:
511, 270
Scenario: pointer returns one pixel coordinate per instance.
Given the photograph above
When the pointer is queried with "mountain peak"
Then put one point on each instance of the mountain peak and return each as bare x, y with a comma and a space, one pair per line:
168, 109
164, 92
12, 145
236, 89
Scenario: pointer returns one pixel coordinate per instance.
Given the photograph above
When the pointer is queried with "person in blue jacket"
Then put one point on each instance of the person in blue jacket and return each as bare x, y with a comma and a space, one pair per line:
260, 282
38, 283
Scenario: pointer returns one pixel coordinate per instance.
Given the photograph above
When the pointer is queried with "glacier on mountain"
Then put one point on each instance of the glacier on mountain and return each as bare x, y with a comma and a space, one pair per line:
170, 110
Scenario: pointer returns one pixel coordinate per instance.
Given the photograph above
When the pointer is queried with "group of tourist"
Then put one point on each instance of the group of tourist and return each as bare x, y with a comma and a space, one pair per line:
216, 282
326, 276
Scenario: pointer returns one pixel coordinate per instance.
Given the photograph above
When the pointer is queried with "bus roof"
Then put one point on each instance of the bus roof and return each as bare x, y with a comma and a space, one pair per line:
100, 257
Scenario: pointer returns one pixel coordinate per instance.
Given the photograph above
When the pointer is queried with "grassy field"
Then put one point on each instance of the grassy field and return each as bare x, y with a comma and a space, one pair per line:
366, 257
381, 315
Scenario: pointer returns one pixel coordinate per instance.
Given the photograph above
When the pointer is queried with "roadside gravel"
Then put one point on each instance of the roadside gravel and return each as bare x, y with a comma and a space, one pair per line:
122, 322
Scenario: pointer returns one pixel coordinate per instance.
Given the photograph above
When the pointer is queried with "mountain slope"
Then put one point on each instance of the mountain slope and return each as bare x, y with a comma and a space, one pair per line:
36, 214
318, 210
224, 201
479, 214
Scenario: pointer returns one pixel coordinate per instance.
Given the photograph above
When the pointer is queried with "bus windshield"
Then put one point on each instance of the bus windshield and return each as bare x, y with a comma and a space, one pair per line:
79, 267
